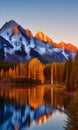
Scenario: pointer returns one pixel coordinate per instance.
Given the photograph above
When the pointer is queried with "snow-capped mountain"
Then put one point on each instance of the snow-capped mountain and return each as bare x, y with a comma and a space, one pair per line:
19, 45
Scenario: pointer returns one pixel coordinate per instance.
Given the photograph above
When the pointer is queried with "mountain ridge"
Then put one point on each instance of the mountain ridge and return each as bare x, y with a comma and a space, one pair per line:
25, 46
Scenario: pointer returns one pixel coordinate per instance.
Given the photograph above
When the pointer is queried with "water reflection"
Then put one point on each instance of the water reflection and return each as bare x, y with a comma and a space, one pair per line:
20, 107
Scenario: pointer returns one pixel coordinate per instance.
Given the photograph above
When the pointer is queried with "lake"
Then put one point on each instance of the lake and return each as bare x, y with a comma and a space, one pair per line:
32, 108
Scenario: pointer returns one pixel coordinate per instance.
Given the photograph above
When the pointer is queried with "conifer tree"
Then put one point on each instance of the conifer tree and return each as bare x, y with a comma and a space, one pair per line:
72, 113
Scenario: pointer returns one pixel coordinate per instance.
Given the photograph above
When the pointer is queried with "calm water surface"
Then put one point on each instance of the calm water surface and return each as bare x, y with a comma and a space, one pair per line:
32, 108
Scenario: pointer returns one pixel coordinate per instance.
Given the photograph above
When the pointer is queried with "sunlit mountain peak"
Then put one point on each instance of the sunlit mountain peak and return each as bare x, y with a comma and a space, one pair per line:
41, 36
67, 46
29, 33
19, 45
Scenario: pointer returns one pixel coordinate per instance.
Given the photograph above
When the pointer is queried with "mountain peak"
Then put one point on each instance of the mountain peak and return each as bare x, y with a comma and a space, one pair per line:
67, 46
10, 24
43, 37
12, 21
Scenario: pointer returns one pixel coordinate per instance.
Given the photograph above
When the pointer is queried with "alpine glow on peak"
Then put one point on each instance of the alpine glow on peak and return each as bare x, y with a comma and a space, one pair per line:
19, 45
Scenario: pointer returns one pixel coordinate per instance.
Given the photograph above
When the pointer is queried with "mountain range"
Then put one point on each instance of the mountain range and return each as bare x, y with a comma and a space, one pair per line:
19, 45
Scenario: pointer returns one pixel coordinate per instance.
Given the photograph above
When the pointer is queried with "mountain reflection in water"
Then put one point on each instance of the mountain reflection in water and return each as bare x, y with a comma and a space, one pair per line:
19, 108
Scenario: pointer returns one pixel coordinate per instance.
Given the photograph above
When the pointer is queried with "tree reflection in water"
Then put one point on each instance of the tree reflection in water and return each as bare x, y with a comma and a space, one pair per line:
22, 107
72, 112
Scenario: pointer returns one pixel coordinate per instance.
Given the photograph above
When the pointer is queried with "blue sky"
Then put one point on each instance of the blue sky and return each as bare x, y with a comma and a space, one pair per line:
56, 18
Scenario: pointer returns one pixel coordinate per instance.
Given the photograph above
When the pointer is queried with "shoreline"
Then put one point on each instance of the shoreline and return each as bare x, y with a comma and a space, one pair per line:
8, 85
70, 94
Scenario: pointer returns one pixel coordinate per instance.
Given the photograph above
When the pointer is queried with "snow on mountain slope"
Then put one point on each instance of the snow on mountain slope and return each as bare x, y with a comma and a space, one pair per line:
23, 46
68, 46
17, 40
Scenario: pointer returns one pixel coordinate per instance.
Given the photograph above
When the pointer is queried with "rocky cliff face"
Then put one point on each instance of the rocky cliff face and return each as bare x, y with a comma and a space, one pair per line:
19, 45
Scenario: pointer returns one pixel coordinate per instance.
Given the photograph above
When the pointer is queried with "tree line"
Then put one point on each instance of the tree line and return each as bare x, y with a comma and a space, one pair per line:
70, 74
62, 73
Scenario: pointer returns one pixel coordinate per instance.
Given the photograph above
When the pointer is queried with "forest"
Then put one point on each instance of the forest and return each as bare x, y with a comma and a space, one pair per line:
54, 73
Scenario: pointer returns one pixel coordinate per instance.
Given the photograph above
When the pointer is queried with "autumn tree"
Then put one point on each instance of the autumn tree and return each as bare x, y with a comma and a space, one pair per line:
47, 73
67, 73
35, 70
74, 74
